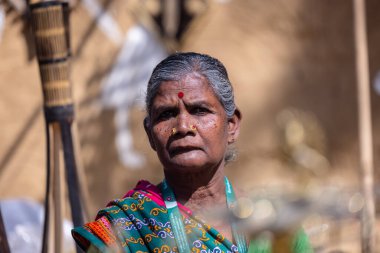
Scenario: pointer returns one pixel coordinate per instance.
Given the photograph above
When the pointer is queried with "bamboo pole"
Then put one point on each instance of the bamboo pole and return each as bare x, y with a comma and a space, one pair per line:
368, 235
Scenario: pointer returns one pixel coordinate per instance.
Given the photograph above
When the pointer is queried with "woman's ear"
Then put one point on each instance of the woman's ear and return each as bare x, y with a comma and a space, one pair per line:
234, 126
149, 133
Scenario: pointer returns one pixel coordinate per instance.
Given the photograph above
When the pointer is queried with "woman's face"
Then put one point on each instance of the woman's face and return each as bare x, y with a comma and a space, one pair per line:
188, 127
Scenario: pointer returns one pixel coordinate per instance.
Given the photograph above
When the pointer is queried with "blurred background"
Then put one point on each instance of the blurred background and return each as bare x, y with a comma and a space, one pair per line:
292, 65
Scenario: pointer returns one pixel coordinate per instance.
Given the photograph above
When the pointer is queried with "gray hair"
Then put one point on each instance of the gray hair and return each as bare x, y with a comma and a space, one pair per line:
177, 65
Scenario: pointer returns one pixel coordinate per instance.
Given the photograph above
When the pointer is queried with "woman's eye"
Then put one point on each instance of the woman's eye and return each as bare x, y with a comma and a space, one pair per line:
166, 115
200, 111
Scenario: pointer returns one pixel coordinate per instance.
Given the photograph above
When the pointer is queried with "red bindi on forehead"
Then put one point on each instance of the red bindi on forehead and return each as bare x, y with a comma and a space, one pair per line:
180, 94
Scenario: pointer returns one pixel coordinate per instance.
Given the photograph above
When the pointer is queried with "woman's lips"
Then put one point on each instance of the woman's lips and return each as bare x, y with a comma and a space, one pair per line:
182, 149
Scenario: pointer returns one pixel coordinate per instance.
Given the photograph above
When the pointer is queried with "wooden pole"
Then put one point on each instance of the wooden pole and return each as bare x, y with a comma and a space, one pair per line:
50, 28
368, 235
57, 188
4, 246
171, 17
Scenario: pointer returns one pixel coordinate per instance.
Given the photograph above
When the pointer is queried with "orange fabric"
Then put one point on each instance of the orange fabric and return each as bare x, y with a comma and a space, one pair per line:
102, 229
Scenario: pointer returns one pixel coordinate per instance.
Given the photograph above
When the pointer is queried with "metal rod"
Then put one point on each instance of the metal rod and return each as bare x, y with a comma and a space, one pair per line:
368, 235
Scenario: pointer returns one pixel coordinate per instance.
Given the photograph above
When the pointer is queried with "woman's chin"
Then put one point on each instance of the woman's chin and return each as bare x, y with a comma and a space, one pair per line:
188, 162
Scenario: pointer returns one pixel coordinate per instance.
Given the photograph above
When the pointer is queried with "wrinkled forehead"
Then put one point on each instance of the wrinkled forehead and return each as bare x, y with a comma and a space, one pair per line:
187, 84
191, 88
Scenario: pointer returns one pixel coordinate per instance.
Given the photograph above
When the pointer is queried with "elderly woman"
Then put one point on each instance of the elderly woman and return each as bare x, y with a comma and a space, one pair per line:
191, 122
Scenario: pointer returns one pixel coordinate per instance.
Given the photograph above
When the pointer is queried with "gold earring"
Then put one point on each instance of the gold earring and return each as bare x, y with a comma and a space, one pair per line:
174, 131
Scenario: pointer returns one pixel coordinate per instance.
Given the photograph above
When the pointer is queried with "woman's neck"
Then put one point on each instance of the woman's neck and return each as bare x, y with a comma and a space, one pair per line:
197, 191
203, 194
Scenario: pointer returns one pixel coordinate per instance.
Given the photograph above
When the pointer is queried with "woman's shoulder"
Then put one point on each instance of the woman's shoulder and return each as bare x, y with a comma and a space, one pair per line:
144, 191
99, 234
96, 234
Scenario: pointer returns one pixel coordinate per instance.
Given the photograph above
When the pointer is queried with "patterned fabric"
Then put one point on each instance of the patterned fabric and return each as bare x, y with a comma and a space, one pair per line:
139, 223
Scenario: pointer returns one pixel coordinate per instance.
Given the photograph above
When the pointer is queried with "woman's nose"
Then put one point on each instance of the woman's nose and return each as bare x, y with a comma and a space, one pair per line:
183, 123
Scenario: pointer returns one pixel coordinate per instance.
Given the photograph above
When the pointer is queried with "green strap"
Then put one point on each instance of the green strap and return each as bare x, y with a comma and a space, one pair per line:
231, 199
175, 219
177, 224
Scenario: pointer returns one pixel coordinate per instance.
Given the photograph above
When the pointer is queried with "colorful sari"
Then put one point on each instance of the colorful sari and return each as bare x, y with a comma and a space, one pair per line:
139, 223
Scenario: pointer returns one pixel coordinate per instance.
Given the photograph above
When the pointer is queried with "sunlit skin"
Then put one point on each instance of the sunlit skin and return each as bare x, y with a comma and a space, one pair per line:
193, 154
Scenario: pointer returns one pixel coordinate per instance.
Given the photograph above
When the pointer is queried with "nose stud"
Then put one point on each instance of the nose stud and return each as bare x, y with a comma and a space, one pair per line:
193, 128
